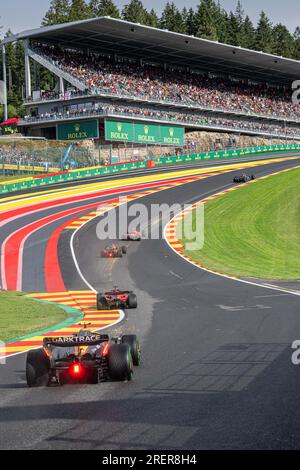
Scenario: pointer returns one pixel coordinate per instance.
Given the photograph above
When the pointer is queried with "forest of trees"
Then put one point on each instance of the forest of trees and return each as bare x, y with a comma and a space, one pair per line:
208, 20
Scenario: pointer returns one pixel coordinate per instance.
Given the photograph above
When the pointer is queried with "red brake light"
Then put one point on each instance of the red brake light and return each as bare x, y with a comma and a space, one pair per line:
76, 369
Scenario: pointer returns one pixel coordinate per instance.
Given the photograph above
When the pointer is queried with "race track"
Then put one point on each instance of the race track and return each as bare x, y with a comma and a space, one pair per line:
216, 372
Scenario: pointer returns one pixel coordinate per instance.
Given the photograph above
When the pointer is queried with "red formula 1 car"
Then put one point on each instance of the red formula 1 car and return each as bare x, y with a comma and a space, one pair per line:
134, 236
83, 358
116, 299
114, 251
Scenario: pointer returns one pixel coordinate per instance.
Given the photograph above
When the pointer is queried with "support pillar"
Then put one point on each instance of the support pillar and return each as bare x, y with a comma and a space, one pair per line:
4, 91
28, 90
61, 86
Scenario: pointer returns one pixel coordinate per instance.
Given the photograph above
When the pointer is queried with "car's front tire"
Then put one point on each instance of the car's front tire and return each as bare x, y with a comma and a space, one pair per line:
134, 345
132, 301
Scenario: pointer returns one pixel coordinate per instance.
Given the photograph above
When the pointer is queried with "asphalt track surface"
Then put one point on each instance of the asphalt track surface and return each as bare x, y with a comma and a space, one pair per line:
216, 372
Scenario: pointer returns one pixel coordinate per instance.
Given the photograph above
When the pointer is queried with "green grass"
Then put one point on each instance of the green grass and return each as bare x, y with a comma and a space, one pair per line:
15, 177
255, 230
20, 316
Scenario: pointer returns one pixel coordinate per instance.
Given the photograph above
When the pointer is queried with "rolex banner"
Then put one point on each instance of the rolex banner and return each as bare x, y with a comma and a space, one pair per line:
78, 130
121, 131
144, 133
172, 135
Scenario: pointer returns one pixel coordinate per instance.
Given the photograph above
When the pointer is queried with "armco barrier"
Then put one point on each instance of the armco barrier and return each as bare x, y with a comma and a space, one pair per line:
74, 175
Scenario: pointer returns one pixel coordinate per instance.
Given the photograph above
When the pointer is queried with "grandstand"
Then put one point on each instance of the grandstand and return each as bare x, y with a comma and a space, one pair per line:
122, 82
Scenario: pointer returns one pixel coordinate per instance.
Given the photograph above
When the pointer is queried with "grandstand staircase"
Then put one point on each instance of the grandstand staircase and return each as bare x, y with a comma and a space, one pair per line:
42, 60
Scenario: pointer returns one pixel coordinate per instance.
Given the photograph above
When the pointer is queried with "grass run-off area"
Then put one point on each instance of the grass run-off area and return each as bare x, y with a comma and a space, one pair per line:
4, 179
255, 230
20, 316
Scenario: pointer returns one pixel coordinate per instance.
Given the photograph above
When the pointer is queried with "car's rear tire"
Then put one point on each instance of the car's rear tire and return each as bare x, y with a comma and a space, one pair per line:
134, 345
120, 363
102, 304
94, 380
37, 369
132, 301
253, 177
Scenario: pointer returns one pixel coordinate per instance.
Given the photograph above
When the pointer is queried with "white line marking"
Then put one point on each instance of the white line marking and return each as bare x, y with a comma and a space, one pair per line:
239, 308
176, 275
271, 295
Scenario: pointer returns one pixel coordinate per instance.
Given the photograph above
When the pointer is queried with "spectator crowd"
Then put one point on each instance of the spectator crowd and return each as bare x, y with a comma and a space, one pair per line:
13, 156
238, 124
127, 78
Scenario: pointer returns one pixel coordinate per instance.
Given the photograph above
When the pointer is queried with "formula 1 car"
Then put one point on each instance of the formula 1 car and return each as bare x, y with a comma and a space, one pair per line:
116, 299
134, 236
243, 178
114, 251
83, 358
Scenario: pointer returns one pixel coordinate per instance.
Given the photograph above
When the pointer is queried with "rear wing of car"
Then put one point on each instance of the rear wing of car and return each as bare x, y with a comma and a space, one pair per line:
72, 341
116, 293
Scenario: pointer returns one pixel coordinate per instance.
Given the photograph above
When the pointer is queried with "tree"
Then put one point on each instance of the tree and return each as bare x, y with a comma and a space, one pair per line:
205, 20
79, 10
247, 35
184, 16
10, 64
233, 30
283, 41
190, 26
171, 19
58, 12
104, 8
19, 68
135, 12
221, 23
15, 76
240, 19
296, 52
264, 34
152, 19
240, 15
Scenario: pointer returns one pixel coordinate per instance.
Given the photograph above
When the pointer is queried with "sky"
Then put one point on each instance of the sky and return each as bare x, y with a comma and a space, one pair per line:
19, 15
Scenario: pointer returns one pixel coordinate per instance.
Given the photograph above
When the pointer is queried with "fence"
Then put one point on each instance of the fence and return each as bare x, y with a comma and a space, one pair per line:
32, 158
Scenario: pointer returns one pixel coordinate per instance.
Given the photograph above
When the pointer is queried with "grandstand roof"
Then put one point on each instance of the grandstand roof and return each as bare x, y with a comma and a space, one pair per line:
134, 40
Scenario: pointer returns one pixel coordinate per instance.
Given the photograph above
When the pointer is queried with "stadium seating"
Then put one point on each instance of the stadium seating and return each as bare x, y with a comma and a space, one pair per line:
129, 79
226, 124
